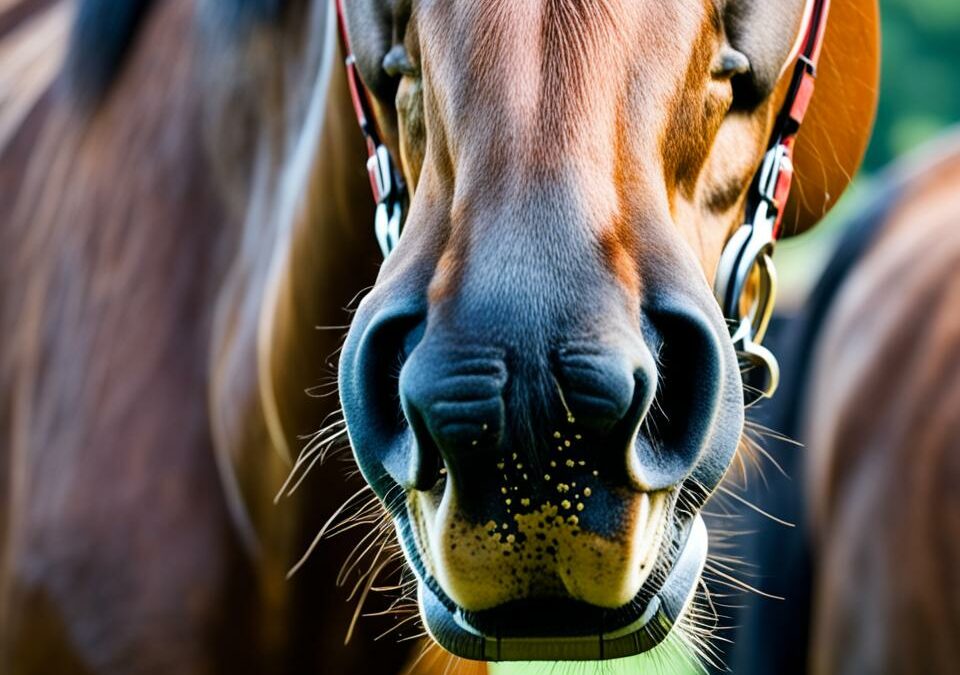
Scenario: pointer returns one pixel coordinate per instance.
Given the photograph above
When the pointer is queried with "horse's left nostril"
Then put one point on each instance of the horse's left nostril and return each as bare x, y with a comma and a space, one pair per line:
681, 421
601, 386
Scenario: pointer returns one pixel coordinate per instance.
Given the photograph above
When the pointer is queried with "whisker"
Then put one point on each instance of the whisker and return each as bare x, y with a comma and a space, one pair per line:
323, 530
319, 453
398, 625
753, 507
727, 580
362, 599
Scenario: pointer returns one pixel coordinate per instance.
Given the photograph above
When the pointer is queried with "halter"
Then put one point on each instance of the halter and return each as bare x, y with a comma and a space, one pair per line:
386, 181
747, 256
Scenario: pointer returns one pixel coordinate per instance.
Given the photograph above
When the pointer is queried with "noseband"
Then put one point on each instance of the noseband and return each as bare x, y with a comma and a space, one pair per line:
747, 260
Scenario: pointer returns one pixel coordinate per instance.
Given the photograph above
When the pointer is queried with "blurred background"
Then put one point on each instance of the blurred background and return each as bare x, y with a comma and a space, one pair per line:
919, 98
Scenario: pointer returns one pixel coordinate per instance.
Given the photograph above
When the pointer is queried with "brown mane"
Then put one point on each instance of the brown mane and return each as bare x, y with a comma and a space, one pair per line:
883, 429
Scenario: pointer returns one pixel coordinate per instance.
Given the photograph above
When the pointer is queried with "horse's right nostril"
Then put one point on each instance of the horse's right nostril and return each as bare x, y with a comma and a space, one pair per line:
369, 370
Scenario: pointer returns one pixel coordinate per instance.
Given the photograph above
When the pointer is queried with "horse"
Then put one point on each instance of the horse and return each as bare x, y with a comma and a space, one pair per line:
867, 572
185, 228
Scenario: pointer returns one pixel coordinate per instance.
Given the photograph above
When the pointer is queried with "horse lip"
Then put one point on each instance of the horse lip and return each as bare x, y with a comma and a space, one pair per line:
644, 631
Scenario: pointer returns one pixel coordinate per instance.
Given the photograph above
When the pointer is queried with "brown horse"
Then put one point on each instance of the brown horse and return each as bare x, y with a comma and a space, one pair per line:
867, 576
539, 386
184, 218
883, 428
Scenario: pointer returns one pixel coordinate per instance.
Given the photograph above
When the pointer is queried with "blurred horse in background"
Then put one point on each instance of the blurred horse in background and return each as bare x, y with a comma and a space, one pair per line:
869, 576
162, 162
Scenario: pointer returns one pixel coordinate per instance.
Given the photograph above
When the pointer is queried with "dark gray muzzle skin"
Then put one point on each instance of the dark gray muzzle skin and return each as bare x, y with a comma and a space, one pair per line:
527, 344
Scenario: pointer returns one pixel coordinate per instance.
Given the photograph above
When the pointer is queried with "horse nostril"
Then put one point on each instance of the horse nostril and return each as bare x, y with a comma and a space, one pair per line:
427, 465
369, 389
679, 424
602, 386
453, 400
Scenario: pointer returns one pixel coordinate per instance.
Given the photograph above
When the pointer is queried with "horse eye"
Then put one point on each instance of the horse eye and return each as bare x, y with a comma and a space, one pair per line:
397, 62
730, 63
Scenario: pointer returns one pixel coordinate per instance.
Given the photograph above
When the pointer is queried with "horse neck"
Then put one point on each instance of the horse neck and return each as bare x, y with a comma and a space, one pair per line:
98, 240
141, 321
280, 319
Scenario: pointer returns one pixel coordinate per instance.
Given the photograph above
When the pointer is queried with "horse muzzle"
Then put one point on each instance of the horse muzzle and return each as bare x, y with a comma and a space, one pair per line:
565, 630
534, 480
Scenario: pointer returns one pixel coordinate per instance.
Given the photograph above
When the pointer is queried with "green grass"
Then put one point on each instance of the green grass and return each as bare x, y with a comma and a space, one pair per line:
670, 658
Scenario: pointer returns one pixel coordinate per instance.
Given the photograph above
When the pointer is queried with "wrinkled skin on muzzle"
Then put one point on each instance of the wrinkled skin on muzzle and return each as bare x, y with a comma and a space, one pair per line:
541, 387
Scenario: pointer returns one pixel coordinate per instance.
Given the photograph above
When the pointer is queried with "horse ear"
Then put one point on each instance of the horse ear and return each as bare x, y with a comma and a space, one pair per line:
839, 122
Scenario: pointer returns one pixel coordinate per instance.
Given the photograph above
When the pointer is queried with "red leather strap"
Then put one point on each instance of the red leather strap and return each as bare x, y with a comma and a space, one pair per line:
362, 108
797, 103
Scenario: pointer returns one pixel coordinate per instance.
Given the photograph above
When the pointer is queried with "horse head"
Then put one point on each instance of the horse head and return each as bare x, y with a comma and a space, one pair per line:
540, 386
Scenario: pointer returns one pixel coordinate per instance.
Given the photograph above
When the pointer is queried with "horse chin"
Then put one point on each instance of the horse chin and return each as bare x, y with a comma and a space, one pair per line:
557, 626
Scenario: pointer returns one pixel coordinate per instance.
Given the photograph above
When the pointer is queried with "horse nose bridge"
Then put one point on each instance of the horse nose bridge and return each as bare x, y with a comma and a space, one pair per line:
544, 227
527, 294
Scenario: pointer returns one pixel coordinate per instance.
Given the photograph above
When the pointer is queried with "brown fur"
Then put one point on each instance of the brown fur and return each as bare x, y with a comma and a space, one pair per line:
120, 554
885, 459
103, 346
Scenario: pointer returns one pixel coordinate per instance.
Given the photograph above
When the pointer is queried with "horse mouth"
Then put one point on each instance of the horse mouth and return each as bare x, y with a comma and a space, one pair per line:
568, 630
557, 628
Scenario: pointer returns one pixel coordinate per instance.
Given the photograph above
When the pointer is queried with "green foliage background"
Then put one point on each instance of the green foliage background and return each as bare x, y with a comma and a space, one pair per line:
920, 89
919, 98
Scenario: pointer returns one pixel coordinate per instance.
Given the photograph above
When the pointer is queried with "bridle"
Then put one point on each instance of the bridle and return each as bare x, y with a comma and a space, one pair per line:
386, 180
748, 255
747, 259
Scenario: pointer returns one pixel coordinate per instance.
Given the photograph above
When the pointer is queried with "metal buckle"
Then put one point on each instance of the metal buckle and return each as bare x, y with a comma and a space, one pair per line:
759, 366
386, 225
746, 257
388, 192
776, 162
